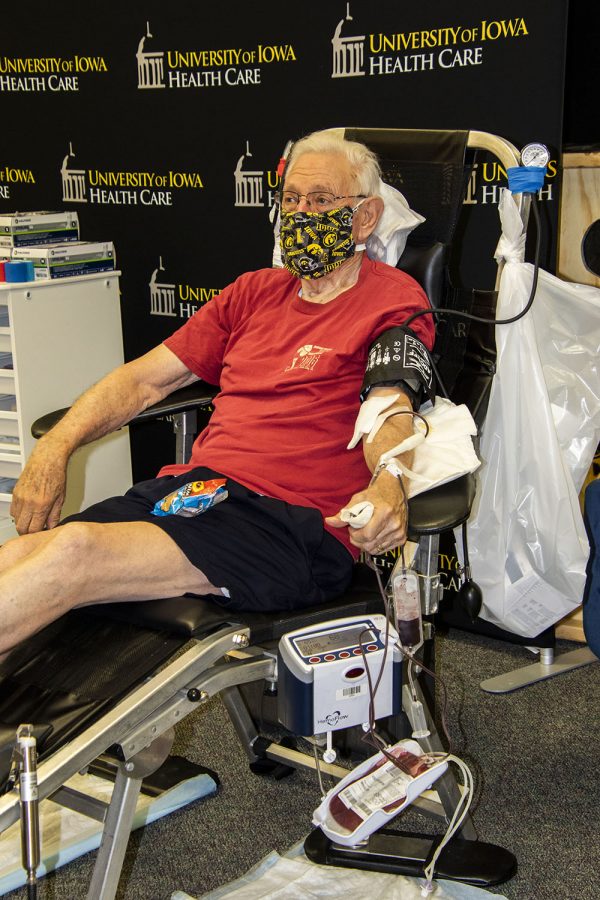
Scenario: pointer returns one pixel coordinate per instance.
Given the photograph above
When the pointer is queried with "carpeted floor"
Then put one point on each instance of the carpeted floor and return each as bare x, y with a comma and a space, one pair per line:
534, 753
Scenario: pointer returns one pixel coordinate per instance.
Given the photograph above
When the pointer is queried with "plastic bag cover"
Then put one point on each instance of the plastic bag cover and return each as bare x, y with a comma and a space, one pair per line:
528, 545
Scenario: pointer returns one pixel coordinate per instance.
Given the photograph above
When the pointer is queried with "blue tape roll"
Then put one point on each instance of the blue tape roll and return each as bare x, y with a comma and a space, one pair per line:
525, 179
19, 270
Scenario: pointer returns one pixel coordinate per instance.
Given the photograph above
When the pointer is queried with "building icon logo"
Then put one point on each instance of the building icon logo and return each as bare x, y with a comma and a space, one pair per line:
348, 51
151, 69
249, 186
73, 181
162, 296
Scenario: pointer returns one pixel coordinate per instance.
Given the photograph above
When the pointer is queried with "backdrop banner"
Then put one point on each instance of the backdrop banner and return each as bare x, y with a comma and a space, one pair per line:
163, 126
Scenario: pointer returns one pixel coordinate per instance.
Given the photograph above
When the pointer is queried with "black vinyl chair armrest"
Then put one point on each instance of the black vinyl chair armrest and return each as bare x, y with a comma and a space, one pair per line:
191, 397
442, 508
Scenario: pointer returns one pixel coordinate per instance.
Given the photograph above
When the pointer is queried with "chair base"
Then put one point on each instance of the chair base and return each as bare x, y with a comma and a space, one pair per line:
548, 667
407, 853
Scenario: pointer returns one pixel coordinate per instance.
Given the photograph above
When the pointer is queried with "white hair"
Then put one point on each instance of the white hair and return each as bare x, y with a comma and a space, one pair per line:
363, 162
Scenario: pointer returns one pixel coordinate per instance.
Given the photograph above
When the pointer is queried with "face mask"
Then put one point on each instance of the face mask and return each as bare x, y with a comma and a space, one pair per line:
314, 243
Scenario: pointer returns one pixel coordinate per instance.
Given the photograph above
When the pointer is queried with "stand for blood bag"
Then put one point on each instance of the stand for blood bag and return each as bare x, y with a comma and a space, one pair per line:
323, 672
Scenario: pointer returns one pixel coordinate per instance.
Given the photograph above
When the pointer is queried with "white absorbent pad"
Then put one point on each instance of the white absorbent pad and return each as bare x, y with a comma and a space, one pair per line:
66, 834
294, 877
447, 451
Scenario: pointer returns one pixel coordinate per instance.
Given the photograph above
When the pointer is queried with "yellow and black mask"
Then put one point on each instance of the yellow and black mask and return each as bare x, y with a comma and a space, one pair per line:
315, 243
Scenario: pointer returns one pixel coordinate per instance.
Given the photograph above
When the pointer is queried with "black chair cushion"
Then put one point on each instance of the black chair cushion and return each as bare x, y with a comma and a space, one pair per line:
201, 616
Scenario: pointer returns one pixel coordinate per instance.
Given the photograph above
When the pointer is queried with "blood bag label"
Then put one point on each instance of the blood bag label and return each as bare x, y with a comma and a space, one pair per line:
385, 785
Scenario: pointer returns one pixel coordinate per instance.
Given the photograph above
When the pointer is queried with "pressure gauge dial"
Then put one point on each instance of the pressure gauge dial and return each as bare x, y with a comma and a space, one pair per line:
535, 155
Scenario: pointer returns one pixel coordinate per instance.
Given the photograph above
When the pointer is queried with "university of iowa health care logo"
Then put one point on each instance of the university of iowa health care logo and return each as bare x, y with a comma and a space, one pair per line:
169, 297
123, 188
439, 47
214, 67
254, 186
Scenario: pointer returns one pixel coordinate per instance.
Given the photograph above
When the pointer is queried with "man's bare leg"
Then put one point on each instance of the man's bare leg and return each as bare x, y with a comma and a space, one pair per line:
17, 548
84, 562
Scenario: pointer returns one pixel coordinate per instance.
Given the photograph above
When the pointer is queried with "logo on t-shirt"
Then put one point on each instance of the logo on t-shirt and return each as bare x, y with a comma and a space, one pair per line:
307, 356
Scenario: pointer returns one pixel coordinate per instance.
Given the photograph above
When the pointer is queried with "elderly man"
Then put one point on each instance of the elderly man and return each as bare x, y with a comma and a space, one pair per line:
289, 348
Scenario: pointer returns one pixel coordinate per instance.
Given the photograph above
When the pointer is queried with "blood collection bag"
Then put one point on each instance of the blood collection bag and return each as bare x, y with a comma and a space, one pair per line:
407, 604
376, 791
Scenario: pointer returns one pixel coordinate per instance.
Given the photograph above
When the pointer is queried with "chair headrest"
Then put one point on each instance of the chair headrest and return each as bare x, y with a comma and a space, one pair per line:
427, 266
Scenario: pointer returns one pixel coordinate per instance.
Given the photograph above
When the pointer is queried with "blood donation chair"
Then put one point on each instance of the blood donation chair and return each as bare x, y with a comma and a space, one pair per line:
105, 686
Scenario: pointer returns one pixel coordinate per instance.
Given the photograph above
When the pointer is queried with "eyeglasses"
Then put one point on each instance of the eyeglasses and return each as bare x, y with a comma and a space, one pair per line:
318, 200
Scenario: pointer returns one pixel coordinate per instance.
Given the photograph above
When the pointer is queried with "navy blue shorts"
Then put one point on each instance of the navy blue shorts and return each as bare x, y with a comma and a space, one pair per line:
270, 555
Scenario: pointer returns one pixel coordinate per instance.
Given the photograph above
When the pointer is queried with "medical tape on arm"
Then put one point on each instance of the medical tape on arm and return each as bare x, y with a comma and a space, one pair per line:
369, 422
404, 446
372, 414
395, 467
389, 460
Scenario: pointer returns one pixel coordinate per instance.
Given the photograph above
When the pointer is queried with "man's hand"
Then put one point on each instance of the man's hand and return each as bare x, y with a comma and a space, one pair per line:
39, 493
386, 528
116, 399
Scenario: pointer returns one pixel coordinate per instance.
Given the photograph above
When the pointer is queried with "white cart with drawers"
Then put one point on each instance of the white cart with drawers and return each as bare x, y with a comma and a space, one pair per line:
56, 339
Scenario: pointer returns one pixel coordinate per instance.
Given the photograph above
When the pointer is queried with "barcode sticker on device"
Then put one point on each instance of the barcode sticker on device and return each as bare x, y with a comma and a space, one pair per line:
348, 693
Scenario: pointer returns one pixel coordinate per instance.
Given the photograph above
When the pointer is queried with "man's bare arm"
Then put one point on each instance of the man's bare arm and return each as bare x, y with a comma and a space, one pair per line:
112, 402
387, 526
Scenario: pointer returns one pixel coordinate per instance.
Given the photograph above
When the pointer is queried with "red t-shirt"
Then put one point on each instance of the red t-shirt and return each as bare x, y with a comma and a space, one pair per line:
290, 373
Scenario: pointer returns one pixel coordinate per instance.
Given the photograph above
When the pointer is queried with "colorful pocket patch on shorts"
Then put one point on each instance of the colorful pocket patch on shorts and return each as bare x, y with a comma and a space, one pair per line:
192, 499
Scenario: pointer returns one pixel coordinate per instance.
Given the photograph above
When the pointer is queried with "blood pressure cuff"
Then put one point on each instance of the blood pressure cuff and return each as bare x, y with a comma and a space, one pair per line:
400, 359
